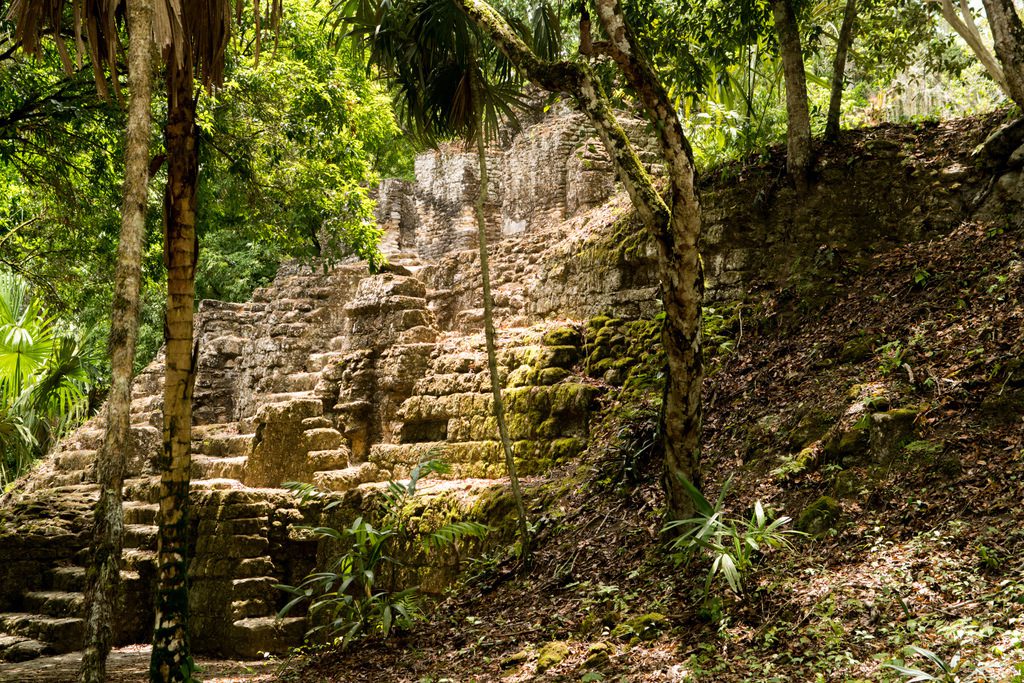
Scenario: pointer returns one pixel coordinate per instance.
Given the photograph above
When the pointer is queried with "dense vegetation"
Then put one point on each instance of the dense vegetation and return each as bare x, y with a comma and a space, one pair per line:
278, 137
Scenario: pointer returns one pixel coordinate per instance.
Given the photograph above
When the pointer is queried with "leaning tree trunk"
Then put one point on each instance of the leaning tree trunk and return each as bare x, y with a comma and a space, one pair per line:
103, 577
835, 101
492, 353
675, 225
1008, 40
171, 659
798, 114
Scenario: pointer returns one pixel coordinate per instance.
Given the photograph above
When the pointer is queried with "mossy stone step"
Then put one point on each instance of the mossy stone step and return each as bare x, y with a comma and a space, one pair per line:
15, 648
63, 634
251, 638
55, 603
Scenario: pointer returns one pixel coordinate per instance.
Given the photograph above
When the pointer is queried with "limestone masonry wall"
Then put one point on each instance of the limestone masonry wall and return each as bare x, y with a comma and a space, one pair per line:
345, 379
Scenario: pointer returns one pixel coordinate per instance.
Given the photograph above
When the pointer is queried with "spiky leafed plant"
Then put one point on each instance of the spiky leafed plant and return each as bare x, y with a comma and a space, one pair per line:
45, 374
452, 83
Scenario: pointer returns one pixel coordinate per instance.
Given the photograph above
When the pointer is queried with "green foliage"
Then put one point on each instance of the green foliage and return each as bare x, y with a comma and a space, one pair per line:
347, 599
47, 369
940, 670
734, 545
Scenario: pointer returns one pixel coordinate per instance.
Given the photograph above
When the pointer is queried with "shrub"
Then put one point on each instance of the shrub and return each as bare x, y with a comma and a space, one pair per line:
346, 599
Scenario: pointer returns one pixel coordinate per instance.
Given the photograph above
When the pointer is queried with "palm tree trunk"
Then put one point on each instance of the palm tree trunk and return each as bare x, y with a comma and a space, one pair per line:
492, 354
103, 577
839, 71
171, 660
1008, 39
798, 136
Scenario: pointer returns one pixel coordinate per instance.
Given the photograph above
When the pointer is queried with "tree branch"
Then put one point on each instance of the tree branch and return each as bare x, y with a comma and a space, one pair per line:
577, 80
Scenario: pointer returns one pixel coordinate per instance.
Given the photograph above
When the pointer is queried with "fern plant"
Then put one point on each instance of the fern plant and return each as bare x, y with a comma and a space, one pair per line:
348, 599
735, 545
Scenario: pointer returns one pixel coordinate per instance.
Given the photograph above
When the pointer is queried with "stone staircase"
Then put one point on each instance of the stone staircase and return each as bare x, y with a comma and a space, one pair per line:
344, 379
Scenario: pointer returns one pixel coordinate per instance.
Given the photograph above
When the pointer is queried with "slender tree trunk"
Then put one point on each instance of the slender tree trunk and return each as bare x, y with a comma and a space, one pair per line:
798, 137
103, 577
171, 658
492, 352
1008, 39
835, 102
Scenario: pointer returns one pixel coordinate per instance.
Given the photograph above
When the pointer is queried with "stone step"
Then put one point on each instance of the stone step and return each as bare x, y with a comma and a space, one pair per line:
140, 536
64, 479
140, 513
204, 467
135, 559
147, 404
347, 478
318, 361
251, 638
223, 445
317, 422
15, 648
69, 579
296, 381
253, 607
88, 437
284, 397
75, 460
55, 603
142, 489
332, 459
216, 484
322, 439
63, 634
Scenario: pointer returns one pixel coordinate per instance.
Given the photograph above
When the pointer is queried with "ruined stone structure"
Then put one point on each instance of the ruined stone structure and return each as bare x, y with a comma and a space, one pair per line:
344, 378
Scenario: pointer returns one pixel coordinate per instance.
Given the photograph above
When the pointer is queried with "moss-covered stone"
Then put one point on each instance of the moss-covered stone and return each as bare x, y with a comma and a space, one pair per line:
549, 376
523, 376
890, 431
847, 445
644, 627
598, 655
859, 348
820, 516
551, 654
811, 426
515, 659
562, 336
923, 451
558, 357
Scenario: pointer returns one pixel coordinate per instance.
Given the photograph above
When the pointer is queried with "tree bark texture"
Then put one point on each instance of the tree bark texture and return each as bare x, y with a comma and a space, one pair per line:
171, 660
835, 101
103, 576
798, 113
1008, 39
968, 30
675, 224
492, 350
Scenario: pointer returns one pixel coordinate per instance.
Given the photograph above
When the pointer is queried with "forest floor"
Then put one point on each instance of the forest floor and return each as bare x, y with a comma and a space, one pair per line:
131, 665
921, 547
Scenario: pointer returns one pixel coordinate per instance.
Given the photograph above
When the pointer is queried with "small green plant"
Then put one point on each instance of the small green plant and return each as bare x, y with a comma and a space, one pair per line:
347, 598
890, 357
941, 670
735, 544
